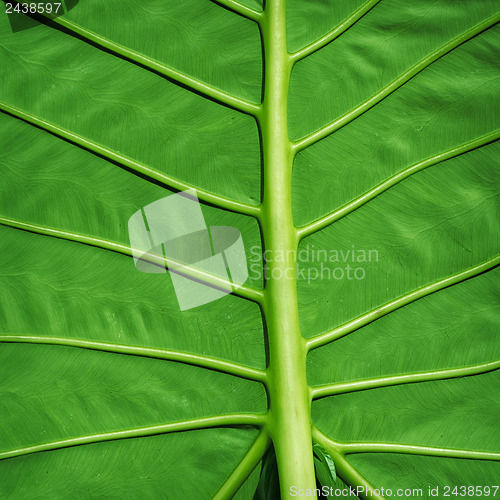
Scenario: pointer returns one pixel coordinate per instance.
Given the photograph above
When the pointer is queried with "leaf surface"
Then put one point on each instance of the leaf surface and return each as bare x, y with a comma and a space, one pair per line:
388, 112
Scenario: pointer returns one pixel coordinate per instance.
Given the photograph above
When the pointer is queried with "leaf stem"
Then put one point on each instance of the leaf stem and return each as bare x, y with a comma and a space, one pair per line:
240, 9
334, 33
173, 266
375, 383
130, 164
251, 459
148, 63
290, 404
198, 360
394, 85
325, 221
187, 425
404, 300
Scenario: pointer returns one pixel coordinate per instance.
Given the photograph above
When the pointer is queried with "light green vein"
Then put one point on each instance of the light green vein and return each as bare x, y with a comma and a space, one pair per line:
240, 9
187, 425
344, 469
325, 221
404, 300
166, 354
350, 448
151, 64
339, 450
394, 85
245, 467
130, 164
375, 383
334, 33
172, 265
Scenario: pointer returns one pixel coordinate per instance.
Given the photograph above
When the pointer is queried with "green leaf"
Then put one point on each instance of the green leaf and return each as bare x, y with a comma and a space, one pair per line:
268, 487
325, 467
354, 147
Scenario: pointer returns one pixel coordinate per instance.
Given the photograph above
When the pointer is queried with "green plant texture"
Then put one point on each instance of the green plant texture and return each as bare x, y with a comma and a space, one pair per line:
354, 144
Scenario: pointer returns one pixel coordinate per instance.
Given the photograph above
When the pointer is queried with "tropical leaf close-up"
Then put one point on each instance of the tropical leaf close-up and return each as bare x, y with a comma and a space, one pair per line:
249, 249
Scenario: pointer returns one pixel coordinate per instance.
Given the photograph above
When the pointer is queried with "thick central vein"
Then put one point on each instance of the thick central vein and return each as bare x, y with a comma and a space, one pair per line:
290, 416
